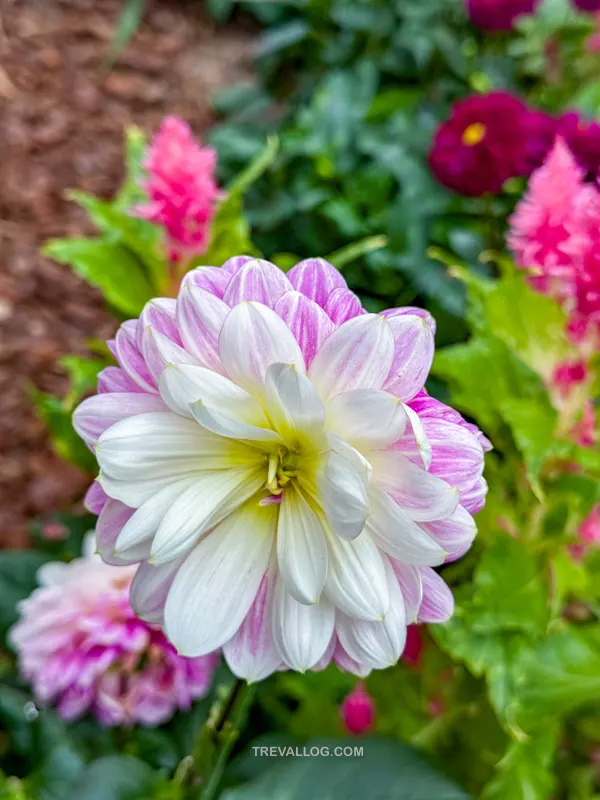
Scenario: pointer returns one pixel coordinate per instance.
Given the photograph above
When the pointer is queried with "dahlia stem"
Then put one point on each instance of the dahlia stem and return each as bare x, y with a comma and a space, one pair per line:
203, 770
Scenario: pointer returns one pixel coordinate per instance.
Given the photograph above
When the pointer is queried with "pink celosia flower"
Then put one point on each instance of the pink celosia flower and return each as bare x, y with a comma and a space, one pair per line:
181, 188
358, 711
81, 646
498, 15
549, 229
268, 454
414, 646
487, 140
569, 374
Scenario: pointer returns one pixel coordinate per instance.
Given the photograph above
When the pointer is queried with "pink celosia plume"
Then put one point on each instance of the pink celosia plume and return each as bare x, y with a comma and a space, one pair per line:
181, 187
83, 649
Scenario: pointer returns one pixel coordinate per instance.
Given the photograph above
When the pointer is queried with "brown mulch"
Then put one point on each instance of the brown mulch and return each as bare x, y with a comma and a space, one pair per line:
61, 126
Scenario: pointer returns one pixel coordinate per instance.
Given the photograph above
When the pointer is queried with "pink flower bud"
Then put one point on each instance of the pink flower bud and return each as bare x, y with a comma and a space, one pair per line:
414, 646
358, 711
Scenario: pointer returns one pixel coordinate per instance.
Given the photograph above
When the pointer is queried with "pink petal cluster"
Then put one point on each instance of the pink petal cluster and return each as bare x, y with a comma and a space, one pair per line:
316, 305
181, 187
358, 711
498, 15
82, 648
588, 534
555, 234
488, 139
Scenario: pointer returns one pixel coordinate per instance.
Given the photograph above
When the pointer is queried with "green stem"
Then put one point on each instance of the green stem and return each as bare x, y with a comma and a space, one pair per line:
355, 250
202, 771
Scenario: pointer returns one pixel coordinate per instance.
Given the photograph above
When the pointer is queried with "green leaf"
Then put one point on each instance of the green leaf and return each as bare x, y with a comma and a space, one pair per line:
283, 36
127, 24
18, 569
510, 589
109, 267
115, 778
526, 771
386, 770
59, 420
528, 322
141, 238
562, 675
54, 777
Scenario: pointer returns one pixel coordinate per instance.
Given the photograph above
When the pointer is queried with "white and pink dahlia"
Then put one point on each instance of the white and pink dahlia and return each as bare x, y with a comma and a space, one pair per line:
82, 647
267, 453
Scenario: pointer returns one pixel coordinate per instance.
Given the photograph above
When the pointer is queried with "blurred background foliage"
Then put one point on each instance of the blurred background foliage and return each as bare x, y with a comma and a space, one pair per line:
505, 698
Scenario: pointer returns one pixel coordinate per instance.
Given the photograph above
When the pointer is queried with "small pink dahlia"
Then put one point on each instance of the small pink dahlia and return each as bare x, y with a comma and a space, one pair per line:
82, 647
487, 140
498, 15
268, 454
181, 188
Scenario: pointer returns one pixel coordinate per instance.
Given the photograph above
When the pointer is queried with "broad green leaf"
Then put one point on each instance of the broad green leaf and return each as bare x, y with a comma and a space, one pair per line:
528, 322
115, 777
386, 770
65, 440
527, 770
121, 227
18, 570
109, 267
562, 675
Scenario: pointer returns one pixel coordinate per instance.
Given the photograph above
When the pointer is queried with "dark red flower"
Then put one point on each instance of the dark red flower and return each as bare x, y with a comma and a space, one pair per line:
583, 139
487, 139
587, 5
413, 647
498, 15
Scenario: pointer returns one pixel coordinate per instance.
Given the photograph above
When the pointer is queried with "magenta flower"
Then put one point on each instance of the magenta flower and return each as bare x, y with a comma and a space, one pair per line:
583, 140
498, 15
268, 454
81, 646
587, 5
181, 188
358, 711
487, 140
414, 646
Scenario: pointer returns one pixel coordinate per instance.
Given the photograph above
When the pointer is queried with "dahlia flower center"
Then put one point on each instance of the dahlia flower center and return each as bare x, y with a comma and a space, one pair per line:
473, 134
282, 468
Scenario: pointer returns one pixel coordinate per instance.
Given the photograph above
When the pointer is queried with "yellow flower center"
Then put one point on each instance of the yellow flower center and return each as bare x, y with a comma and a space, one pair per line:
282, 468
473, 134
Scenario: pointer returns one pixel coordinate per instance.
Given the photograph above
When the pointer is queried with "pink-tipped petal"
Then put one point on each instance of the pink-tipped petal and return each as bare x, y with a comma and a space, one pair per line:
200, 317
113, 517
438, 603
232, 265
95, 414
455, 534
257, 280
210, 279
159, 314
115, 379
413, 355
307, 321
412, 311
342, 305
316, 278
95, 498
131, 359
159, 352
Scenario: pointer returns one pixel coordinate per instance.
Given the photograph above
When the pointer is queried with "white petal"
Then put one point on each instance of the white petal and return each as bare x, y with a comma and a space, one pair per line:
217, 583
252, 338
252, 653
306, 320
366, 418
302, 633
149, 590
356, 582
340, 490
292, 402
210, 498
232, 428
423, 496
358, 355
413, 353
96, 414
455, 533
396, 533
200, 317
184, 384
376, 644
414, 443
159, 350
301, 548
147, 519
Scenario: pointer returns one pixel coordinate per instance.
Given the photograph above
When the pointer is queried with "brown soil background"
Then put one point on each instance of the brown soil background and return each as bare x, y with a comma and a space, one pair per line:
61, 126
